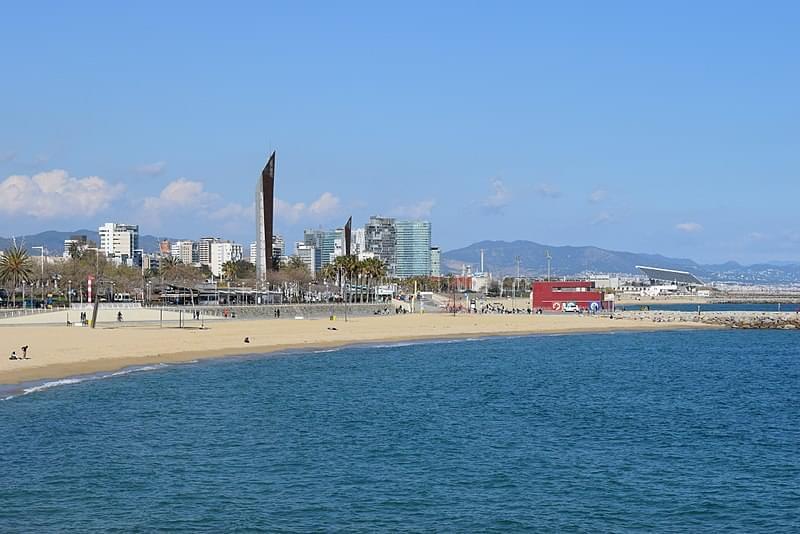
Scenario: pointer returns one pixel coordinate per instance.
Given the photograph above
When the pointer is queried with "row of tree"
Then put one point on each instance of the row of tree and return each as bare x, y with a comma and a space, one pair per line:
17, 267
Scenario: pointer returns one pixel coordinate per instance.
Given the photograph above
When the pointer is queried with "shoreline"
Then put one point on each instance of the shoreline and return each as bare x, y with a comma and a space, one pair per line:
76, 359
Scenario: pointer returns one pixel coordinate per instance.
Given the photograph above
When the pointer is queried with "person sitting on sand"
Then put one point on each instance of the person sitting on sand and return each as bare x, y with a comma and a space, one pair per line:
13, 356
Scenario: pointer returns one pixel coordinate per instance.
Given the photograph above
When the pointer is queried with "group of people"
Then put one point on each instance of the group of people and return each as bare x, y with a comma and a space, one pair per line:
277, 313
24, 354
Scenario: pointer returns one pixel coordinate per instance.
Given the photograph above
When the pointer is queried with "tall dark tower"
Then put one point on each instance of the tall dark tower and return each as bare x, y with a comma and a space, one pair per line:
348, 236
264, 206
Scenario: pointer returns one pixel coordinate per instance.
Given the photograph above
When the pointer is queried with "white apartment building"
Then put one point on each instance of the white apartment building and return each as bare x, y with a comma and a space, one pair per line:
221, 253
308, 254
80, 242
204, 249
252, 257
359, 243
120, 242
185, 251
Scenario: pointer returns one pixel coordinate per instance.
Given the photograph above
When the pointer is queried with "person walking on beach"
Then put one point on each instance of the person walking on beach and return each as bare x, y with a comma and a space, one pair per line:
25, 352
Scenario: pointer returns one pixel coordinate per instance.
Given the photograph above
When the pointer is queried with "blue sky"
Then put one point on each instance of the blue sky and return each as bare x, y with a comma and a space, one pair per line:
655, 127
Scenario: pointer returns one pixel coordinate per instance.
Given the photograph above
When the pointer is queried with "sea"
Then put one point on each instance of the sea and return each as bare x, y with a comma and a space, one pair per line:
670, 431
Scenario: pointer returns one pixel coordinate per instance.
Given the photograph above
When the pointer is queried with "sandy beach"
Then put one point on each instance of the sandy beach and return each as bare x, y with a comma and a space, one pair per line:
61, 351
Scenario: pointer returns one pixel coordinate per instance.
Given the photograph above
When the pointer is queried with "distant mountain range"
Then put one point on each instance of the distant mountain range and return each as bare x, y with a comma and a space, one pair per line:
53, 241
500, 259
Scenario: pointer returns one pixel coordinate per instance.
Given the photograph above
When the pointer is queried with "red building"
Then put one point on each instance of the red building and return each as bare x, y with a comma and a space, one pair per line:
565, 295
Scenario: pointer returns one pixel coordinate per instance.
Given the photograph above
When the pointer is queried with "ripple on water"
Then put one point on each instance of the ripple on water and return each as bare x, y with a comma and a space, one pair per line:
667, 431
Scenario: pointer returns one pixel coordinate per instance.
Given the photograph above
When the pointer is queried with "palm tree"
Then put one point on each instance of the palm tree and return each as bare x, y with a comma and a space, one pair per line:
15, 266
348, 265
230, 270
75, 251
328, 272
374, 268
296, 262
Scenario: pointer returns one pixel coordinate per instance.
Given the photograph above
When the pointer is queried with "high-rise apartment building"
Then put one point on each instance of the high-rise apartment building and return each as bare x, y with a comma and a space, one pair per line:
185, 251
328, 244
151, 261
359, 241
308, 255
80, 243
221, 253
204, 249
278, 250
380, 239
120, 242
436, 261
413, 248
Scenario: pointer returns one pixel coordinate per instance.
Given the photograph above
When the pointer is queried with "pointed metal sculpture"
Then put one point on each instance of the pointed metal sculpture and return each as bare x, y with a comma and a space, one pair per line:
348, 236
264, 206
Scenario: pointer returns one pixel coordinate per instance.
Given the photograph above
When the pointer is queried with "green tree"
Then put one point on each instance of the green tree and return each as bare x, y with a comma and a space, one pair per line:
374, 269
328, 272
16, 267
296, 262
75, 251
230, 270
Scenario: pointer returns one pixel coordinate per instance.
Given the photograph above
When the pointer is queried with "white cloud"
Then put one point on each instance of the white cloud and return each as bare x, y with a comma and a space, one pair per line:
54, 194
415, 211
689, 227
152, 169
326, 205
234, 210
181, 193
500, 196
547, 191
287, 211
598, 195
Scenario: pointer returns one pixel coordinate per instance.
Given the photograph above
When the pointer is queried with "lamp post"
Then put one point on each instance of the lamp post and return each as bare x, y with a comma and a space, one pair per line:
41, 279
514, 288
69, 292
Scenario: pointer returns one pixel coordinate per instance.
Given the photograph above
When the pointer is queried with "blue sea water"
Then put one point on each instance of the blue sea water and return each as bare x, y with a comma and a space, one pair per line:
663, 431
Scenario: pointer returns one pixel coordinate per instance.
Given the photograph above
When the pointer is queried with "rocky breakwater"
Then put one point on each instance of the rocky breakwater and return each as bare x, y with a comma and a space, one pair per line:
743, 320
754, 320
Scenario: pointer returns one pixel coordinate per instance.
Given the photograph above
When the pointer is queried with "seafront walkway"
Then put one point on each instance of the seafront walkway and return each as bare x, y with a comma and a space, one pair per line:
135, 314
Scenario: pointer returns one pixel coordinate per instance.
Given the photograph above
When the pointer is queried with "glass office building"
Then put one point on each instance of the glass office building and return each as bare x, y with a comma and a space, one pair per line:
412, 248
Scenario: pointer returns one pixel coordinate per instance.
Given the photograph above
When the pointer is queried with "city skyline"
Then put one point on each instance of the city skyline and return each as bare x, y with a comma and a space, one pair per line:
492, 125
